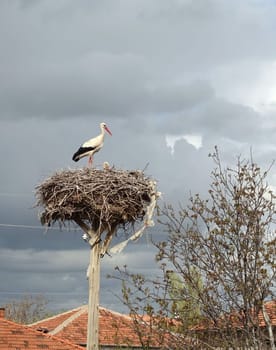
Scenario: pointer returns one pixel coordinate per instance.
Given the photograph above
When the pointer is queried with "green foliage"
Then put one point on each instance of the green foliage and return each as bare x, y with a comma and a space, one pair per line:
184, 296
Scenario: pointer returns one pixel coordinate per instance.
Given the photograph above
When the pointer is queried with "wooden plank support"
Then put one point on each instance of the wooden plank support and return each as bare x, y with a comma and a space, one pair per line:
93, 302
93, 275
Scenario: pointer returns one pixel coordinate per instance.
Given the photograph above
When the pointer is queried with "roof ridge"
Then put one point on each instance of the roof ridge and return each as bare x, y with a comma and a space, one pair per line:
65, 323
115, 313
46, 335
55, 316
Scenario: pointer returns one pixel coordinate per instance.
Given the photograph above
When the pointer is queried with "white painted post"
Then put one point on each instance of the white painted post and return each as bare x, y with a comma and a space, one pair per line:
93, 303
97, 249
93, 274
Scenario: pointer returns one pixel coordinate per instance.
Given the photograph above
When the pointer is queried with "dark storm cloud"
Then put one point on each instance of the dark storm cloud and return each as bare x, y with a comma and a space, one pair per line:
215, 118
38, 238
44, 261
115, 87
54, 272
63, 59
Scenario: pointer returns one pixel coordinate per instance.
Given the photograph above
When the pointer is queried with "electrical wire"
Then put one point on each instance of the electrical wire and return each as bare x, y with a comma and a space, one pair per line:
22, 226
35, 227
14, 195
42, 292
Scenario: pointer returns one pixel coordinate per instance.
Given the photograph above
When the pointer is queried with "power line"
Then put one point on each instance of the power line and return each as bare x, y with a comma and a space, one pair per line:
36, 227
43, 292
11, 194
22, 226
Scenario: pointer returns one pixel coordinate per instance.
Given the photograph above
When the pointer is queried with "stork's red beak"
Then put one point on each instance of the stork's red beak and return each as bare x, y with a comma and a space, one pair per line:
106, 128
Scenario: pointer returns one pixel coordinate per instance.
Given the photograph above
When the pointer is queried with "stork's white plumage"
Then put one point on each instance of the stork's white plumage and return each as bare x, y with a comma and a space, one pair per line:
88, 148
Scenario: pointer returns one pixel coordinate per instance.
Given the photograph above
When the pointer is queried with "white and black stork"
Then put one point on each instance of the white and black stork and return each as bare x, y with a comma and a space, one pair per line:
88, 148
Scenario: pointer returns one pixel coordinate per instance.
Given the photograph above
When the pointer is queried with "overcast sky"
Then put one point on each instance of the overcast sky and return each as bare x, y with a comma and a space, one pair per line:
170, 78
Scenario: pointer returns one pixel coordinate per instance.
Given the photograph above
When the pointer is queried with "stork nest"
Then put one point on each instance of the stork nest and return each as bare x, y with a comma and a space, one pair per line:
105, 199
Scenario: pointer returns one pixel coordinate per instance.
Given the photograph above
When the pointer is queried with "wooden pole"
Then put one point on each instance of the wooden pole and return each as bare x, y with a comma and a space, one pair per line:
93, 303
93, 274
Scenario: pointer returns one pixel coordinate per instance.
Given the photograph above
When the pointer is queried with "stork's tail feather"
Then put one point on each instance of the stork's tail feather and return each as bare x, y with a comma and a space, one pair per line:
76, 157
82, 152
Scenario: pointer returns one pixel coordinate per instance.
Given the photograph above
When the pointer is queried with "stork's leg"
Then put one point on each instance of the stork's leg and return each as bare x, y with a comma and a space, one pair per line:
90, 160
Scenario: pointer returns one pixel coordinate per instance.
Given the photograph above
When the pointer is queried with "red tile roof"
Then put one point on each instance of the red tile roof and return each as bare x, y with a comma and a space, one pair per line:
14, 336
114, 328
270, 307
234, 319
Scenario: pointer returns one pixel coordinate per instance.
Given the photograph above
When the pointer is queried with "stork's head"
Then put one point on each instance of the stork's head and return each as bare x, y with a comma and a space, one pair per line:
105, 128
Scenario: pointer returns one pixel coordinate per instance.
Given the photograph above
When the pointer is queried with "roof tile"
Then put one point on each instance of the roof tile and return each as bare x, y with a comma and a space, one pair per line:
114, 328
14, 336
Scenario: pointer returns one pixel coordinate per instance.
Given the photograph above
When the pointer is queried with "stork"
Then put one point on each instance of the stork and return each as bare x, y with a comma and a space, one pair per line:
88, 148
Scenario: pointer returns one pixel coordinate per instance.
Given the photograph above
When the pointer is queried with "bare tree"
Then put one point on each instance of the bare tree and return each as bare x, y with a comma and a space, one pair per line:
229, 239
27, 310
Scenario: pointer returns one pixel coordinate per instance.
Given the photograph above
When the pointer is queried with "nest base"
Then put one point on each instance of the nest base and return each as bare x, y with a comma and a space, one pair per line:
105, 199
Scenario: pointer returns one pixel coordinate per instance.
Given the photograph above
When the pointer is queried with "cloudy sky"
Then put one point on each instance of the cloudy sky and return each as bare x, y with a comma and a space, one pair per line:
170, 78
